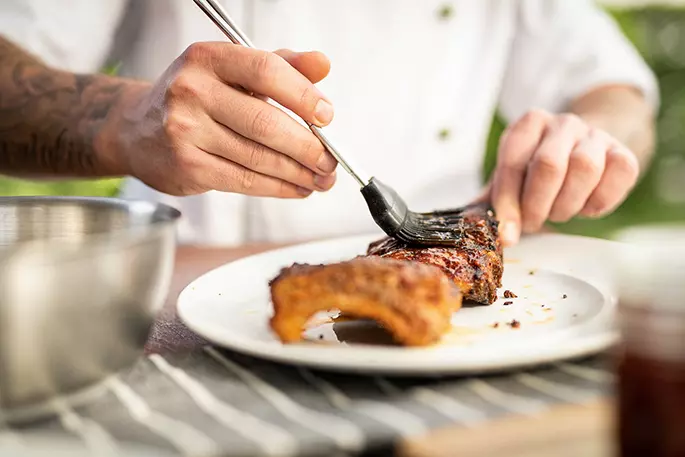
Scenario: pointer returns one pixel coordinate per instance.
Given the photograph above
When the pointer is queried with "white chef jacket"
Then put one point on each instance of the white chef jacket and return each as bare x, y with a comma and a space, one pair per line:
414, 84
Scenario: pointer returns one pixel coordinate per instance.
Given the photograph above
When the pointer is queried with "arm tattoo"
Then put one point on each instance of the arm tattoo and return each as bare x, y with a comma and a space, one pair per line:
50, 119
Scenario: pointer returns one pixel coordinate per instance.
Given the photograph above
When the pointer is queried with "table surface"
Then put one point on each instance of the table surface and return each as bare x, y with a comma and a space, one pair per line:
169, 335
185, 397
565, 430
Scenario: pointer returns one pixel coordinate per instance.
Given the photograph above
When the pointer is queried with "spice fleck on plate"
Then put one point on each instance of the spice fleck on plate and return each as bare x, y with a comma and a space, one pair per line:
507, 303
509, 294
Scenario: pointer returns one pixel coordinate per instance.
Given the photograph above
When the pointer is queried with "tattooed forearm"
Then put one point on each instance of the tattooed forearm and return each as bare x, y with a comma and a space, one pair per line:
51, 121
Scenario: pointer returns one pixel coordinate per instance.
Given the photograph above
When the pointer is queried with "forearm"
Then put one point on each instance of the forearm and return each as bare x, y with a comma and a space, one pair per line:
52, 122
624, 113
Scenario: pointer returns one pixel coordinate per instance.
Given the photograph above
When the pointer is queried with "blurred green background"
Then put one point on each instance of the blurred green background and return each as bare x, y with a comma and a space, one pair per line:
659, 34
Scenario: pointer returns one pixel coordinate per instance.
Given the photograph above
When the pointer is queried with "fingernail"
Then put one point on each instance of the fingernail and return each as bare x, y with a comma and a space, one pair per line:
324, 182
587, 212
302, 191
510, 233
323, 112
592, 213
326, 163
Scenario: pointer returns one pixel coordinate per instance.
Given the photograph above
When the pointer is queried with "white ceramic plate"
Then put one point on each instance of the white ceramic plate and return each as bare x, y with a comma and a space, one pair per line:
565, 309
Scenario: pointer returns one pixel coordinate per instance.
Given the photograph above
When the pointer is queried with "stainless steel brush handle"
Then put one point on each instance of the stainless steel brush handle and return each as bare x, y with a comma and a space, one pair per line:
220, 17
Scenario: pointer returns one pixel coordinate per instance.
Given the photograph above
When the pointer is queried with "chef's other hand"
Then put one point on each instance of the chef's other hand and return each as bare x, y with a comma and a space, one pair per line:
554, 167
195, 130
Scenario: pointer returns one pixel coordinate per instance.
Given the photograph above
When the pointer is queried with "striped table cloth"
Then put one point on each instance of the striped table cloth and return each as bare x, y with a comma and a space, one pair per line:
212, 402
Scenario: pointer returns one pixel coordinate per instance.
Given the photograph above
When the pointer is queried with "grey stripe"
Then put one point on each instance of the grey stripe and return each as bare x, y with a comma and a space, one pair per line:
182, 436
505, 400
9, 438
345, 434
403, 422
586, 373
272, 440
553, 389
445, 405
96, 438
11, 442
386, 386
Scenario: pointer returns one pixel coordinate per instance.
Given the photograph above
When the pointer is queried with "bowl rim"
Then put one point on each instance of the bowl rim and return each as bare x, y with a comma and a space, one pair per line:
96, 243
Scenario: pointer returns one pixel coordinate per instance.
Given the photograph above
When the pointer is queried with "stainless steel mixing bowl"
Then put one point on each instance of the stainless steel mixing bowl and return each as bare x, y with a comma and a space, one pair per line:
81, 280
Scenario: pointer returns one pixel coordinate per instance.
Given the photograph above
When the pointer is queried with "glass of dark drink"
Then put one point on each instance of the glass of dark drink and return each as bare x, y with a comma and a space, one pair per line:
651, 363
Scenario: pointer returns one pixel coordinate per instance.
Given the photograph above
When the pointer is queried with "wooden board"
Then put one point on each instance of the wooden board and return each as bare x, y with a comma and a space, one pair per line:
565, 431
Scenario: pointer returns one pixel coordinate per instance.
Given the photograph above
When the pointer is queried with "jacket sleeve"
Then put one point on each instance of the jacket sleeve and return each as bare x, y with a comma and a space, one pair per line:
75, 35
562, 49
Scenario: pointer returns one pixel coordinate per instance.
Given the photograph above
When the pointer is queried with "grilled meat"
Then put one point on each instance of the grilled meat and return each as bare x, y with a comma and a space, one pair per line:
475, 265
413, 301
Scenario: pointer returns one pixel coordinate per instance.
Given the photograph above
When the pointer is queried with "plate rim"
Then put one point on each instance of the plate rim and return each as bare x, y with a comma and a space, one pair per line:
590, 343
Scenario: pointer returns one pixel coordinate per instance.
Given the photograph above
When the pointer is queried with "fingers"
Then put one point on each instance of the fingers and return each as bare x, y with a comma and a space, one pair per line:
585, 169
313, 65
621, 173
547, 170
268, 125
517, 146
265, 150
226, 176
264, 73
554, 168
219, 140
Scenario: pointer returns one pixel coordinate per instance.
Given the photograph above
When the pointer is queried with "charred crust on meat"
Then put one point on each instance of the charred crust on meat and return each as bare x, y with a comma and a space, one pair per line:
475, 264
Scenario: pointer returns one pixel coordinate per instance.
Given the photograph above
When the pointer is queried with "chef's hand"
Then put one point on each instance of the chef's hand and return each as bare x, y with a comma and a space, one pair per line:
195, 131
554, 167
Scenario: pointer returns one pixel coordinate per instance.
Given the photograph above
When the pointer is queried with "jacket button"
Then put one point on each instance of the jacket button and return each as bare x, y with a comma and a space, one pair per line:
446, 11
444, 134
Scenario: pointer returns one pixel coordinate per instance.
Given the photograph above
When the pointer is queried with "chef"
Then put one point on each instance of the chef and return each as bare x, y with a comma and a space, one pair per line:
411, 92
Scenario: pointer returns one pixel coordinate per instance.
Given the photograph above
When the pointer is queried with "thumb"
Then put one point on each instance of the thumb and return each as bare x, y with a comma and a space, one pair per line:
505, 202
313, 65
509, 221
